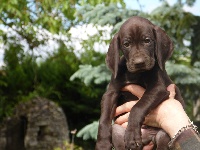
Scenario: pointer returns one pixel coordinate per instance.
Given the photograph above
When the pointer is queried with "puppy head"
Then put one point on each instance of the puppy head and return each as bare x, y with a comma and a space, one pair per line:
142, 44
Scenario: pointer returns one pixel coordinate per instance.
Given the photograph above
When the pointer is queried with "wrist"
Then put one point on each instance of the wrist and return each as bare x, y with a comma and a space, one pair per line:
173, 124
191, 126
173, 127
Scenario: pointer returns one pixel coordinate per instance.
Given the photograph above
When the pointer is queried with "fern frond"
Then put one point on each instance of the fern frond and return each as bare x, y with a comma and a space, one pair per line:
89, 74
89, 131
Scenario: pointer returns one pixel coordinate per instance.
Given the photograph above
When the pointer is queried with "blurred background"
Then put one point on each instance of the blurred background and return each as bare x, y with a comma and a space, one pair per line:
55, 49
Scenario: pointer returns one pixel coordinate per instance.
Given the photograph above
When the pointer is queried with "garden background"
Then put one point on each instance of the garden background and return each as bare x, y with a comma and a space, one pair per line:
56, 49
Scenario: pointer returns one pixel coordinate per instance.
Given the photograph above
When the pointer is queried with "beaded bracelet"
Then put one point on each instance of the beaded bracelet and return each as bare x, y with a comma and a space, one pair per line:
190, 126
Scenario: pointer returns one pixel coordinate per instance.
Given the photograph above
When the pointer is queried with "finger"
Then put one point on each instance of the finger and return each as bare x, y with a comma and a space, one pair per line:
126, 107
124, 125
171, 89
149, 146
122, 119
135, 90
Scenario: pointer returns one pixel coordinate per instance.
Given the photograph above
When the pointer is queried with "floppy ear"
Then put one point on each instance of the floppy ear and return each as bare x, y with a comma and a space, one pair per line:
164, 47
112, 57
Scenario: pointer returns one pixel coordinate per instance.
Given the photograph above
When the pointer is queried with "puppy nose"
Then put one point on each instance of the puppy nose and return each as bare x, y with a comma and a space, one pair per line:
139, 62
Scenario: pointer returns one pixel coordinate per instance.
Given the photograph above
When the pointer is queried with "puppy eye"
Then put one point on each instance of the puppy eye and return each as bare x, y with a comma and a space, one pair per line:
147, 40
126, 44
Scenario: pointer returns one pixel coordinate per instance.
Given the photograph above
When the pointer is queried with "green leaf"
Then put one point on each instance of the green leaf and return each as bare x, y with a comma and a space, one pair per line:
89, 74
89, 131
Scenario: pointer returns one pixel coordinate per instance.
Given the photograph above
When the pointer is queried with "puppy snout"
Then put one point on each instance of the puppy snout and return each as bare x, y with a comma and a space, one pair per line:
139, 62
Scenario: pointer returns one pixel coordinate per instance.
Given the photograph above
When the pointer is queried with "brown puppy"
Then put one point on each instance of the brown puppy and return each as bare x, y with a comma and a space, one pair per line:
145, 49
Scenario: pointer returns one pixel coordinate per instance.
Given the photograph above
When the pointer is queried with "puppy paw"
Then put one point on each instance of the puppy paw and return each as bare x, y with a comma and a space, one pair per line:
133, 141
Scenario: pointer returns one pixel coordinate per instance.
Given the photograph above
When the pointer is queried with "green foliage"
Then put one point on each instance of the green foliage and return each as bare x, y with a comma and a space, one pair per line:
102, 15
178, 24
17, 78
54, 71
106, 2
187, 78
195, 44
67, 146
184, 75
27, 27
89, 131
46, 14
89, 74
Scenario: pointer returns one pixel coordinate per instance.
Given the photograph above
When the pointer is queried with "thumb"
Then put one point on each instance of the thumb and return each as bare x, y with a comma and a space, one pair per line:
171, 89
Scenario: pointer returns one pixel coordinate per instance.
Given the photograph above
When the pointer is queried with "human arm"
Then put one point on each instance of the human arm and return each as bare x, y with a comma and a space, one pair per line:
169, 115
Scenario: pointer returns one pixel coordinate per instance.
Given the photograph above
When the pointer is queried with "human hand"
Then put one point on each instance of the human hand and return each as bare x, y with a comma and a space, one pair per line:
169, 115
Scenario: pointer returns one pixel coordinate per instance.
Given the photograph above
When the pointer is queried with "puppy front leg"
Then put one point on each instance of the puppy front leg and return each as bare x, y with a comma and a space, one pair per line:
108, 107
150, 100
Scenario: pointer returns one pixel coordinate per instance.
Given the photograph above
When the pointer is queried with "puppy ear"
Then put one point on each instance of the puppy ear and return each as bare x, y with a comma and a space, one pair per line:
112, 57
164, 47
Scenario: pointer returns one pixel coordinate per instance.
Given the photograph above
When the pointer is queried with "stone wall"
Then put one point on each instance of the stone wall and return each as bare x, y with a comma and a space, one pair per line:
38, 124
